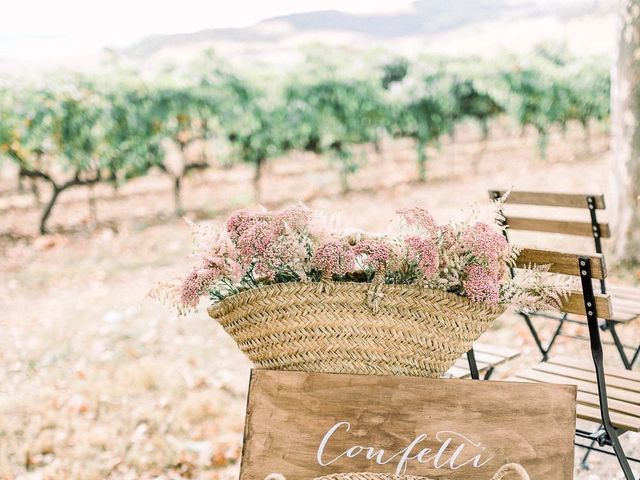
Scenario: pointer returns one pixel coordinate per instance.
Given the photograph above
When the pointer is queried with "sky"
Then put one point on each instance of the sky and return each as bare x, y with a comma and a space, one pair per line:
33, 28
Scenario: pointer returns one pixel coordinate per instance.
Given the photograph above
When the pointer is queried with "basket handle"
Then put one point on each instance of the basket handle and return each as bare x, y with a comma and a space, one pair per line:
500, 474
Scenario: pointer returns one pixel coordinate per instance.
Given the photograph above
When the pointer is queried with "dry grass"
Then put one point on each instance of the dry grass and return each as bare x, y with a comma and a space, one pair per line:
98, 382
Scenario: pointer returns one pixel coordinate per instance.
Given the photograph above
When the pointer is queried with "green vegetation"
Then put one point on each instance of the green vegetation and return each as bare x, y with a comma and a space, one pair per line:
84, 131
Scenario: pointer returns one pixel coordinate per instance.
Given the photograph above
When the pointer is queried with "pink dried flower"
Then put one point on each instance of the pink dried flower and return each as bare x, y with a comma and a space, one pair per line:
241, 221
419, 217
220, 254
256, 239
335, 258
424, 252
375, 254
272, 241
481, 286
195, 285
297, 218
448, 236
289, 251
485, 241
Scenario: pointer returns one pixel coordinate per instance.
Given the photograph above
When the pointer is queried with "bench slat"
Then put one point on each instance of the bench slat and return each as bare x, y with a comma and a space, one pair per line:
588, 387
619, 318
624, 291
588, 366
592, 400
457, 372
587, 376
584, 229
506, 352
550, 199
561, 262
619, 420
464, 363
585, 410
487, 356
574, 303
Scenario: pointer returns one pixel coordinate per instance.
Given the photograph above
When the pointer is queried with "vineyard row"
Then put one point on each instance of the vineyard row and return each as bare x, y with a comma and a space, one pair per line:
88, 130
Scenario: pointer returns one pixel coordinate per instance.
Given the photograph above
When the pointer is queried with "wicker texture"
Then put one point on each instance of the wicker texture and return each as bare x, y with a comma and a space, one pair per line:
503, 473
359, 328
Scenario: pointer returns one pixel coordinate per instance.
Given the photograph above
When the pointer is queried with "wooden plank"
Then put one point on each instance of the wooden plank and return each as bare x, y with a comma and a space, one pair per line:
631, 306
579, 374
588, 387
487, 356
457, 372
587, 365
561, 262
463, 363
484, 360
619, 420
586, 411
624, 291
564, 227
550, 199
627, 307
614, 405
625, 315
591, 400
574, 303
506, 352
302, 425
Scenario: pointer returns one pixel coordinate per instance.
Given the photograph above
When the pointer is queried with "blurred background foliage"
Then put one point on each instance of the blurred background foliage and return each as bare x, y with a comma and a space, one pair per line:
81, 130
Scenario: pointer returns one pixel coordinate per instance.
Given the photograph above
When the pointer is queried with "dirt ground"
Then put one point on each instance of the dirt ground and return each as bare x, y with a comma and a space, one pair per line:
99, 382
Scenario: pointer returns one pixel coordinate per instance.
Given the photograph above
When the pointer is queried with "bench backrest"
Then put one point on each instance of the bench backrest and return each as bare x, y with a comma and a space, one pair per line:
587, 267
589, 202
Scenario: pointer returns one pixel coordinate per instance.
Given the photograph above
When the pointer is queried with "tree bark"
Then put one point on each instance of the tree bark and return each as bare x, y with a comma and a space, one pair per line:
421, 148
257, 176
177, 196
625, 130
55, 191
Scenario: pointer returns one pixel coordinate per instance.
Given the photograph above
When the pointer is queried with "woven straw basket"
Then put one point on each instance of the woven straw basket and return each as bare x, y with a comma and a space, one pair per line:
503, 473
359, 328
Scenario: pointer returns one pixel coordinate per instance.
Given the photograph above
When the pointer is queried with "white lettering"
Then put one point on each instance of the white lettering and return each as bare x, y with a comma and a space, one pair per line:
466, 452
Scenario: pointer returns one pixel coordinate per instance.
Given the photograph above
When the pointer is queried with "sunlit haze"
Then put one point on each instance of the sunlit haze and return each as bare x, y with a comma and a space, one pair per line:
36, 28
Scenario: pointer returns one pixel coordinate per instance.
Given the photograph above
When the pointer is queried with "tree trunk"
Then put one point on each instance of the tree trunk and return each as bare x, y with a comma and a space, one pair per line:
35, 191
422, 161
257, 176
55, 191
625, 130
93, 209
177, 196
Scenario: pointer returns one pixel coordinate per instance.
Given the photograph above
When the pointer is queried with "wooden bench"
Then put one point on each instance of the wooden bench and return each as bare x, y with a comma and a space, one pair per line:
623, 388
611, 400
488, 358
626, 299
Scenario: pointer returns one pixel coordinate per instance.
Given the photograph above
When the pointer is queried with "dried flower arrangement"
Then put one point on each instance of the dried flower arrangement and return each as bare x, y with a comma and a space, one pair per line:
258, 248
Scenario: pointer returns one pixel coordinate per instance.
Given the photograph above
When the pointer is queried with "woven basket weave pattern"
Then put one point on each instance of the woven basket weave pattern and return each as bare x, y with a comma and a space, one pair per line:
408, 331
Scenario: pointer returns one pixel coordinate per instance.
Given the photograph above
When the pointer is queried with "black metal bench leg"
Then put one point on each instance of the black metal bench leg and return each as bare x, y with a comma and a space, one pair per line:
544, 350
584, 463
489, 373
611, 435
473, 366
635, 356
622, 458
626, 361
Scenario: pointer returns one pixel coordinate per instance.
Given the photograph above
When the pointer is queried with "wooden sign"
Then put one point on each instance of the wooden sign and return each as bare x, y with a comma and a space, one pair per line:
306, 425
